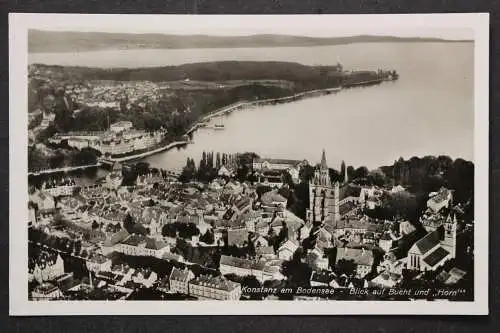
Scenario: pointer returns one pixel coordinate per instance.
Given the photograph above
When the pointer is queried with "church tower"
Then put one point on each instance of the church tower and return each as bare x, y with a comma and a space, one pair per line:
323, 196
450, 235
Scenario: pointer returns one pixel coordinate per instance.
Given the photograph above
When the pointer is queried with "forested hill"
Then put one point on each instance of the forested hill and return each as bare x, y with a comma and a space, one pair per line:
207, 71
67, 41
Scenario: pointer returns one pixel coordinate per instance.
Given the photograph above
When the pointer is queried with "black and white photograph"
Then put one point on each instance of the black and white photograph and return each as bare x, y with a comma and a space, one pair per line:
181, 160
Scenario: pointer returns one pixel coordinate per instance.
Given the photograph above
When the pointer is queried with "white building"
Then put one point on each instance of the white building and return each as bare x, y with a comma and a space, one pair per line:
47, 267
276, 164
99, 263
244, 267
214, 288
287, 249
46, 291
443, 198
179, 280
137, 245
120, 126
363, 259
78, 143
43, 200
145, 277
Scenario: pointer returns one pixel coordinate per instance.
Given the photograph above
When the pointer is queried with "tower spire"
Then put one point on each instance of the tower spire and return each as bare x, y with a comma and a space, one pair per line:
323, 160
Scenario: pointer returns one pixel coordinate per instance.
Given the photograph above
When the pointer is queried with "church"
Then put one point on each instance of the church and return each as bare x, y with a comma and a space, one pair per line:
324, 197
435, 248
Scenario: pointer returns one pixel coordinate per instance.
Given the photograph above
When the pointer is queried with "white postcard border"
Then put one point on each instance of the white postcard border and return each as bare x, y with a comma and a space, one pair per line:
18, 187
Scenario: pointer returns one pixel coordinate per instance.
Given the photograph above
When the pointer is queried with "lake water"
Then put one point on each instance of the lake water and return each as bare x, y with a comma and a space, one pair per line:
428, 111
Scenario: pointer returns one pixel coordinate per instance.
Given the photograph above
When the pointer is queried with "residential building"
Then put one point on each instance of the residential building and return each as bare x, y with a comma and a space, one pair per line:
237, 237
437, 201
243, 267
120, 126
78, 143
385, 242
46, 291
265, 252
276, 164
274, 199
43, 200
386, 280
98, 263
46, 267
287, 249
179, 280
114, 178
363, 259
214, 288
144, 277
322, 279
138, 245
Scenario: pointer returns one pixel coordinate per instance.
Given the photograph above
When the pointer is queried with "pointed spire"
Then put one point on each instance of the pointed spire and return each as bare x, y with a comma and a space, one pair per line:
323, 160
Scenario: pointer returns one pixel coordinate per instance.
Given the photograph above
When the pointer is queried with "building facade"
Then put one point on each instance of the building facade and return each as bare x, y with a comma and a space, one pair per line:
214, 288
179, 280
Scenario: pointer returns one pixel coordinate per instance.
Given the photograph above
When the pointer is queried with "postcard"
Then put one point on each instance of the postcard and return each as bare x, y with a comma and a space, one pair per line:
287, 165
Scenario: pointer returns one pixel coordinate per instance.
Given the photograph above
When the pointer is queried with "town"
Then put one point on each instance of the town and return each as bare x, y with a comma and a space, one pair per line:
239, 226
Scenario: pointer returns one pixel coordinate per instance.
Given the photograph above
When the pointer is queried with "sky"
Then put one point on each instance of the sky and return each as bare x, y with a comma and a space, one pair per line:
446, 26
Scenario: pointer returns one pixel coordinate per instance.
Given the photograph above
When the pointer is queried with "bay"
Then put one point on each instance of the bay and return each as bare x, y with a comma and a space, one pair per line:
428, 111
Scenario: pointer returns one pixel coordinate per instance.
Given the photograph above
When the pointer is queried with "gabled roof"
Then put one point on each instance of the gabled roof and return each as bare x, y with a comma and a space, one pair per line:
277, 161
180, 274
242, 203
264, 250
218, 282
172, 256
237, 236
436, 256
240, 262
359, 256
117, 237
322, 277
288, 245
272, 196
428, 242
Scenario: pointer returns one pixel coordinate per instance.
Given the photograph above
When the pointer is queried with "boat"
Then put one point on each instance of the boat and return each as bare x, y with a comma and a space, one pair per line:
219, 126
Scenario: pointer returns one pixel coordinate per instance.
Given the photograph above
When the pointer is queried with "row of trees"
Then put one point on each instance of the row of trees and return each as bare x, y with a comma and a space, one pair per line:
210, 164
59, 158
182, 230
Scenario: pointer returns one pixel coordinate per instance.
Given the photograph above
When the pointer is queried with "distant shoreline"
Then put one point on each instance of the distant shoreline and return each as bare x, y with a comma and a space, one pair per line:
151, 48
70, 41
